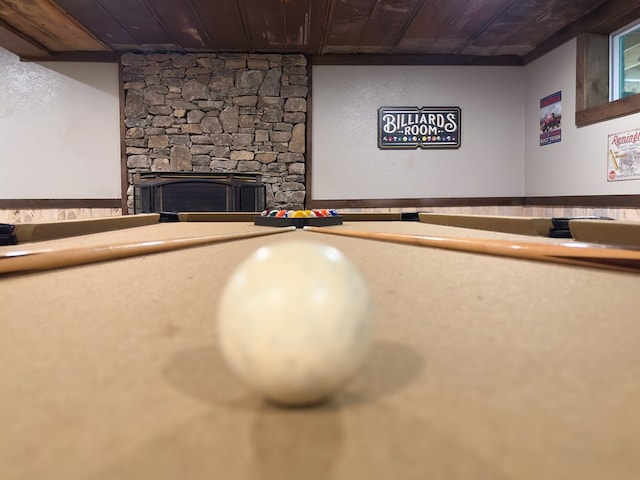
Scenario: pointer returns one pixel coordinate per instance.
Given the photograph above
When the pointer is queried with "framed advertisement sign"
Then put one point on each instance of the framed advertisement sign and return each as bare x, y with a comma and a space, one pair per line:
413, 127
623, 159
551, 119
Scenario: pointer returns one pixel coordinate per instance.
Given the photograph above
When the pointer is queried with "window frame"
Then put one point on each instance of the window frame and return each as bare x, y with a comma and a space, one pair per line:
615, 56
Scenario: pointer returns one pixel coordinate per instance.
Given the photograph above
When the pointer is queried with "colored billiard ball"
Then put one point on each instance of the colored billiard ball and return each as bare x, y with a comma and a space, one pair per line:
295, 321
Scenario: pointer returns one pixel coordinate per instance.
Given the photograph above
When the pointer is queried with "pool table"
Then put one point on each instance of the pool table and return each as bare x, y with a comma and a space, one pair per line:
482, 367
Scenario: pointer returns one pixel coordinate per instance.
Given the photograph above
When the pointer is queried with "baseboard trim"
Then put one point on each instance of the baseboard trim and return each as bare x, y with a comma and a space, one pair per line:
617, 201
611, 201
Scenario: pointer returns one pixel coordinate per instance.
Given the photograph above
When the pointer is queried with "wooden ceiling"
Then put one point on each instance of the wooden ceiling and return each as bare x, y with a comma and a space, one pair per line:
86, 29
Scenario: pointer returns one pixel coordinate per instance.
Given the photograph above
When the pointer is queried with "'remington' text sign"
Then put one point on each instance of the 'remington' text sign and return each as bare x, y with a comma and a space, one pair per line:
413, 127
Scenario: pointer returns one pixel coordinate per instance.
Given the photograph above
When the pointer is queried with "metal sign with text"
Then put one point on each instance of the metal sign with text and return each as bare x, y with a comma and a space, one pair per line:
413, 127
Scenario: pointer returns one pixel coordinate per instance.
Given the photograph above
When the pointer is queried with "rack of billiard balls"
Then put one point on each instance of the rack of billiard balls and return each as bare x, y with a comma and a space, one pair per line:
298, 218
299, 213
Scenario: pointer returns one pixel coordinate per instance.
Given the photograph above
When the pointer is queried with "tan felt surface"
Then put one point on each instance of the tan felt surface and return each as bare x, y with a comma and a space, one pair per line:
32, 232
482, 368
496, 223
614, 232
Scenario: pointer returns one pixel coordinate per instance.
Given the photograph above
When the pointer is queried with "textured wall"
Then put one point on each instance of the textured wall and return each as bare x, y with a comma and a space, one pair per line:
219, 113
348, 165
59, 130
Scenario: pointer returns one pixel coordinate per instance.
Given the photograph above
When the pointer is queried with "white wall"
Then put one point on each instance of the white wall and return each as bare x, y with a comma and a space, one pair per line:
347, 164
59, 130
578, 164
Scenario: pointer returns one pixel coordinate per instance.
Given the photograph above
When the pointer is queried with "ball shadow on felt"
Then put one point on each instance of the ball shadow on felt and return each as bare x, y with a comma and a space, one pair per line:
202, 374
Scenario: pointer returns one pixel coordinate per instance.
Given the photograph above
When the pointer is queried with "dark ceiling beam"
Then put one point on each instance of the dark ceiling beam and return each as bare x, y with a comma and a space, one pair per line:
416, 9
488, 25
202, 28
372, 59
244, 21
325, 27
154, 14
367, 24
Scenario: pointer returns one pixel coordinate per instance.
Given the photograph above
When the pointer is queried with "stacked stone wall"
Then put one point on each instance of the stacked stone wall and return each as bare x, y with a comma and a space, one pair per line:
219, 113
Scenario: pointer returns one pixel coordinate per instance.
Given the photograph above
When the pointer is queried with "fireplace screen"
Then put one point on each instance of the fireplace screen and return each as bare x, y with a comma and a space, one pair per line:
198, 192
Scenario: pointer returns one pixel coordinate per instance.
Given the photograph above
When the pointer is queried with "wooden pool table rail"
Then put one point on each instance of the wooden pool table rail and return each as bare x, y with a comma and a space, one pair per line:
39, 231
578, 254
23, 261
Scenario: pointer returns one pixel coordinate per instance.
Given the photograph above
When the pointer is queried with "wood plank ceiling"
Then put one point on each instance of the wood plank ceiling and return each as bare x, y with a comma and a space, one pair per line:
40, 29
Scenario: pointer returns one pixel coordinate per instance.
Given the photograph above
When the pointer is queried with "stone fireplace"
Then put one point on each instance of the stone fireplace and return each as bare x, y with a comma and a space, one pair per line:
232, 113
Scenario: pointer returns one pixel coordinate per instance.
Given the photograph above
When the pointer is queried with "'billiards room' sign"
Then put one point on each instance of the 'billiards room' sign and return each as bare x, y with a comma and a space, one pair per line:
413, 127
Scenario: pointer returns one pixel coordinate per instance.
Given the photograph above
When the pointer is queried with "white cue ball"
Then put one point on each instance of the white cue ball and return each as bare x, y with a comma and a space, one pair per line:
295, 321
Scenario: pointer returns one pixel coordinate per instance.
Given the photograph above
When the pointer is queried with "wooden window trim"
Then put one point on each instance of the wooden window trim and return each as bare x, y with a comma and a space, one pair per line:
592, 83
592, 65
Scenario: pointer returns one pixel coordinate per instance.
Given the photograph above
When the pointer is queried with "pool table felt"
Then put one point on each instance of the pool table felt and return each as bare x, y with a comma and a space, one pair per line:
482, 368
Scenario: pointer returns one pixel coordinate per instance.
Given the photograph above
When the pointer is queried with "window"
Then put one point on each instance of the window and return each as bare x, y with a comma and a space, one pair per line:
624, 78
